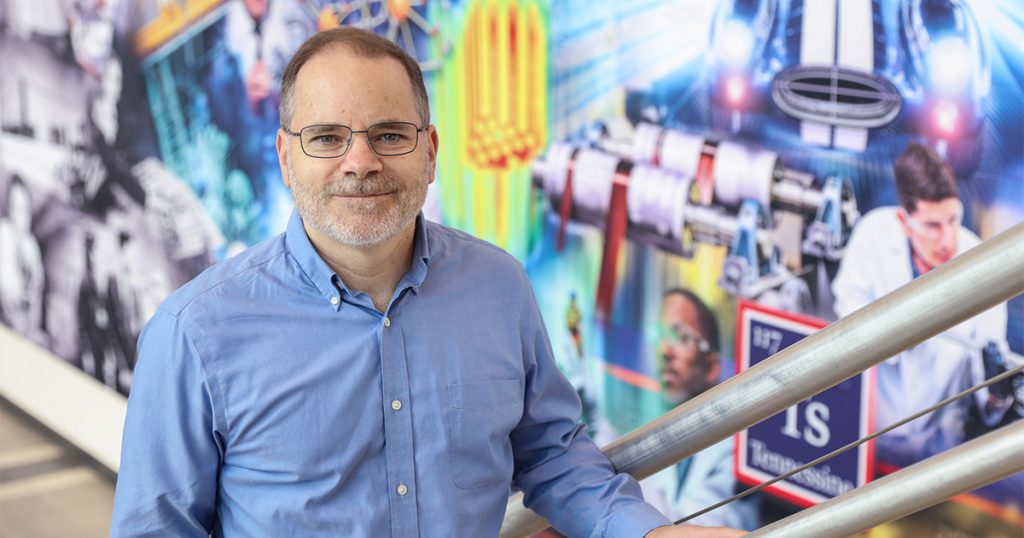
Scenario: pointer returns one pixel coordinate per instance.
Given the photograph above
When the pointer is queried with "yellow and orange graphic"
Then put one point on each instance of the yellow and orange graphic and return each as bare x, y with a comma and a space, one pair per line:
494, 94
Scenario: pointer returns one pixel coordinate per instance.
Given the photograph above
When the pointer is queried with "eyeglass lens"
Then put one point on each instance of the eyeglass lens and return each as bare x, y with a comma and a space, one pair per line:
395, 138
679, 334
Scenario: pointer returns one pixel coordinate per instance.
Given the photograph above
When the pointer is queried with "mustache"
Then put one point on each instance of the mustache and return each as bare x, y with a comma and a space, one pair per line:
352, 186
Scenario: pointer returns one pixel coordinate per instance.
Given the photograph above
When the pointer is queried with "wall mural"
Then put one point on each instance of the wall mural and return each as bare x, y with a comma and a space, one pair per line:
659, 167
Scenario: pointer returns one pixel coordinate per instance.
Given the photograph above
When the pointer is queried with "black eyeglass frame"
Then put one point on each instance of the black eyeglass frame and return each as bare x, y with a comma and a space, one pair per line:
352, 137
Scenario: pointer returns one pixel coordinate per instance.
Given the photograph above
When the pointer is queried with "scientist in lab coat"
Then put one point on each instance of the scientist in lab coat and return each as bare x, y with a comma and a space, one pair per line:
690, 364
889, 247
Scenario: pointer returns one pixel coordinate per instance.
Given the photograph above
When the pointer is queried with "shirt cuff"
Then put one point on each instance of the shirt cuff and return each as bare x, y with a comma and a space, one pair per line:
635, 520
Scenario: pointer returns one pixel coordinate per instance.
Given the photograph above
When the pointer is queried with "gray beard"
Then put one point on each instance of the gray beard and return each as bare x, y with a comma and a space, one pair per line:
358, 230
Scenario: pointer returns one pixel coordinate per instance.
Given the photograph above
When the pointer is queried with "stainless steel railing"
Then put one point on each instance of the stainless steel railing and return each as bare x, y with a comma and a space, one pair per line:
963, 468
969, 284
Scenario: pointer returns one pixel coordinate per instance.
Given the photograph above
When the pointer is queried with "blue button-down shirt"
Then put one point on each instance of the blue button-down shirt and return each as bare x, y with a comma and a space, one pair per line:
271, 400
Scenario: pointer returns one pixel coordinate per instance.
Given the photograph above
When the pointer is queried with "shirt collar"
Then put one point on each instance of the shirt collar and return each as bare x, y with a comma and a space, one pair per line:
324, 278
309, 260
420, 255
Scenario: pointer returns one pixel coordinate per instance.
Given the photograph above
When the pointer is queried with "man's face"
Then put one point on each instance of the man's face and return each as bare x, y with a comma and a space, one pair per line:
359, 199
687, 371
256, 8
932, 229
19, 207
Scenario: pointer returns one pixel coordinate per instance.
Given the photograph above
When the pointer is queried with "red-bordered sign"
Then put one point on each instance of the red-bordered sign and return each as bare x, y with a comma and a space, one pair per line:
809, 430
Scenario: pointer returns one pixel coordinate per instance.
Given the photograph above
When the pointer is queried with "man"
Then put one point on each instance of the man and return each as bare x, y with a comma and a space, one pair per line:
21, 263
360, 374
691, 365
889, 247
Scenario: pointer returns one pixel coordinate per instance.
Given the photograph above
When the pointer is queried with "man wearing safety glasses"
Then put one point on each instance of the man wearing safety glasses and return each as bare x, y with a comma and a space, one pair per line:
688, 349
367, 372
889, 247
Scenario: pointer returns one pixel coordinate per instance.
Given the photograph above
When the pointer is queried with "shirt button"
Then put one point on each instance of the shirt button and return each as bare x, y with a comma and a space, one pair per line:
396, 404
335, 300
402, 490
387, 322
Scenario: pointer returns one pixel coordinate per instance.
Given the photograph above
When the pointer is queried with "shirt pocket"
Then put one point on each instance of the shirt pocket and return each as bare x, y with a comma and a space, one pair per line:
481, 416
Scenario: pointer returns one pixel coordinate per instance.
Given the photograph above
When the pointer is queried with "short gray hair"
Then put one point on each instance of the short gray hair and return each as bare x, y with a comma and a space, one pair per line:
360, 42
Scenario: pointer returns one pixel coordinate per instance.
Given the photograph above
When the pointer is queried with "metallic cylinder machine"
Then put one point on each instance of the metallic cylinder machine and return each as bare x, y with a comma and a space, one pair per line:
679, 189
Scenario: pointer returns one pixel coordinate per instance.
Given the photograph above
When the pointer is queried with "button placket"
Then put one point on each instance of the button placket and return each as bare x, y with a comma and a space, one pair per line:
398, 431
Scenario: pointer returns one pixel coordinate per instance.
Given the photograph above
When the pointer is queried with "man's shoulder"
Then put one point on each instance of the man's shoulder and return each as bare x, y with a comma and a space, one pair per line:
880, 218
221, 277
877, 230
460, 247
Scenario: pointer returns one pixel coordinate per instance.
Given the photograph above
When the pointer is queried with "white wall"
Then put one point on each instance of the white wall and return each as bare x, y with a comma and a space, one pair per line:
77, 407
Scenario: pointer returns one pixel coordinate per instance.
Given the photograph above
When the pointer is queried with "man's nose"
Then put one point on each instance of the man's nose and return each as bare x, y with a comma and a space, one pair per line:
949, 235
361, 160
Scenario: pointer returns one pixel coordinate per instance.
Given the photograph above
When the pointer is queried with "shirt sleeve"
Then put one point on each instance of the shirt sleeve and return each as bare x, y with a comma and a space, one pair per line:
171, 449
853, 286
563, 475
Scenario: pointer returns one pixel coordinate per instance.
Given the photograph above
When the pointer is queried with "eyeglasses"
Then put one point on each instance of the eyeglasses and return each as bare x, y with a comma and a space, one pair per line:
330, 141
935, 228
683, 334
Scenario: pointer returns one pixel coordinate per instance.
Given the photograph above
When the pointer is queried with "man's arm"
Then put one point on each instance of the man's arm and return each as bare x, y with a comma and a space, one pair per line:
171, 453
564, 476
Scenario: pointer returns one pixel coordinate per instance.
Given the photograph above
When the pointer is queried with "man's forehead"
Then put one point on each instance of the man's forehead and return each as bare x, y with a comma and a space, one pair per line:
335, 58
339, 78
678, 308
938, 210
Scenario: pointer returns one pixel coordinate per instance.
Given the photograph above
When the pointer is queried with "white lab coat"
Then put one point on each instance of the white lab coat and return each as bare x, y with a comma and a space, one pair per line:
709, 479
877, 262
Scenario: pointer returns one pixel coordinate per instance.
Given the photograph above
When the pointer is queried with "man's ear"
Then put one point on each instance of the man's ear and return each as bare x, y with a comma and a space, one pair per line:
904, 218
433, 143
714, 371
282, 157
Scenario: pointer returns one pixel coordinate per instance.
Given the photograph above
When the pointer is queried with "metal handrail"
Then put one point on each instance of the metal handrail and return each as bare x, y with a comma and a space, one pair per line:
966, 467
967, 285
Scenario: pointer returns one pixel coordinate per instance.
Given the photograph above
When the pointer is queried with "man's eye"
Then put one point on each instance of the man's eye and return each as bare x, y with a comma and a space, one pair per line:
390, 138
325, 140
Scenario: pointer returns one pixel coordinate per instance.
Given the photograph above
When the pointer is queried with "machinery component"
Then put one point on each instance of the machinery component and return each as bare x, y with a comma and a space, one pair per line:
743, 173
729, 173
747, 262
655, 206
658, 201
827, 234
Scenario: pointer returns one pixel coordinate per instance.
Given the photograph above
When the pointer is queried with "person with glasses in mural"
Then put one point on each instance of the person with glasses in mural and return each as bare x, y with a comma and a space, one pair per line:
889, 247
688, 348
367, 372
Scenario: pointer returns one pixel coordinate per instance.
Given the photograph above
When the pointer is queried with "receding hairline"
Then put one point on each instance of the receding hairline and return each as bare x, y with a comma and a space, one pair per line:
361, 49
